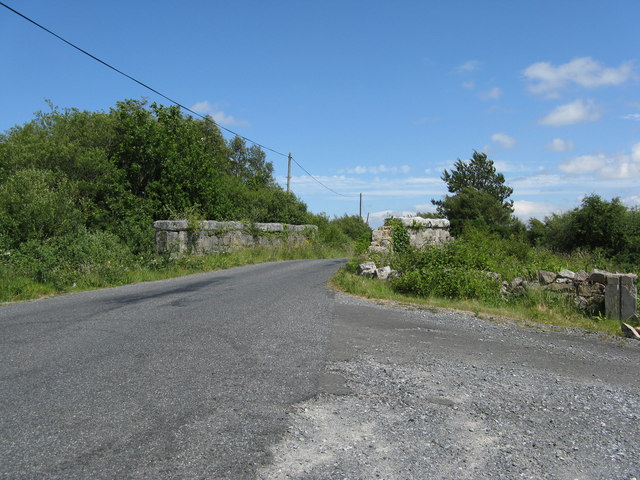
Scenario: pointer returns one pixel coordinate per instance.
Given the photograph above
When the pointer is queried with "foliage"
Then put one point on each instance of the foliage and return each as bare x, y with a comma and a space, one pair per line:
36, 205
597, 225
74, 182
460, 269
480, 197
399, 235
353, 226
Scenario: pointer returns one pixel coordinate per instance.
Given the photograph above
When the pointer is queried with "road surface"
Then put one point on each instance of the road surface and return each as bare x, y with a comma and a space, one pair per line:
265, 372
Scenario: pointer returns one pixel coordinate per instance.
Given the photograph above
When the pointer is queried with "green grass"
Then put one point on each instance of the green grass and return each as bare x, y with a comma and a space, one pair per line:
17, 287
535, 308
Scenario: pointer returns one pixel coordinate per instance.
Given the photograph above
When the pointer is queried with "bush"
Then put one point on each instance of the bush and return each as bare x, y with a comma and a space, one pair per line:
89, 258
37, 205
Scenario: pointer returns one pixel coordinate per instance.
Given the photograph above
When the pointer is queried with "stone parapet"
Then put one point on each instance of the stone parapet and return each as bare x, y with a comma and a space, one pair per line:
177, 237
421, 231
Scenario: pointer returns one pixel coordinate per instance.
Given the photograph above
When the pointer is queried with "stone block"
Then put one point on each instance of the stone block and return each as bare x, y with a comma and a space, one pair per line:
612, 296
545, 277
269, 227
597, 276
367, 269
581, 276
173, 225
383, 273
568, 274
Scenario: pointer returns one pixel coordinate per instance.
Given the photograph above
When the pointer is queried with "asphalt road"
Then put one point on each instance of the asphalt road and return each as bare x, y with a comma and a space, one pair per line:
183, 378
264, 372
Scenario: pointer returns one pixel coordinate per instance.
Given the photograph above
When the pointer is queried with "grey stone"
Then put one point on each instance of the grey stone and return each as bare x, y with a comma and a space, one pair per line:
562, 280
597, 276
366, 269
269, 227
383, 273
172, 225
545, 277
581, 276
516, 282
174, 236
568, 274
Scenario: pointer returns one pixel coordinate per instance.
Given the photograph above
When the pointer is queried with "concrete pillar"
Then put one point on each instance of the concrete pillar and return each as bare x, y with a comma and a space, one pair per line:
620, 296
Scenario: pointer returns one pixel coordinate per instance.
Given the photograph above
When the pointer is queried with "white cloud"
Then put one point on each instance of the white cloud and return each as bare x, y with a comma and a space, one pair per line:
632, 116
375, 170
560, 145
504, 140
206, 108
583, 164
575, 112
535, 183
469, 66
524, 209
547, 79
619, 166
633, 200
425, 208
468, 85
376, 187
494, 94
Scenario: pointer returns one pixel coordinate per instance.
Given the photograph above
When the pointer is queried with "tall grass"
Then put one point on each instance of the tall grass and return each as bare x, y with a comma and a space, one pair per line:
539, 307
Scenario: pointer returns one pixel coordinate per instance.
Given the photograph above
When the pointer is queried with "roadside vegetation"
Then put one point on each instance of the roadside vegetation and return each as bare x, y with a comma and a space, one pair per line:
79, 192
492, 246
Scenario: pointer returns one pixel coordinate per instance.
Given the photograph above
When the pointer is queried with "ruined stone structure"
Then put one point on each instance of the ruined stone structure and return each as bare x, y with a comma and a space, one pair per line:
422, 231
209, 236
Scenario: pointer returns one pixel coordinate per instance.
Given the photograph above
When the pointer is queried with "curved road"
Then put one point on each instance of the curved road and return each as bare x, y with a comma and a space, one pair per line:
264, 372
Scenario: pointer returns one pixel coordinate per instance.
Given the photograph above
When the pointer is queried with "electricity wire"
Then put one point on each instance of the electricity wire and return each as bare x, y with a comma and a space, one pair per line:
204, 117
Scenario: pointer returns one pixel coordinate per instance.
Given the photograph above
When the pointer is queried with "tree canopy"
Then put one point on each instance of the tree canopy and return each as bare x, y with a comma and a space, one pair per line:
117, 171
480, 196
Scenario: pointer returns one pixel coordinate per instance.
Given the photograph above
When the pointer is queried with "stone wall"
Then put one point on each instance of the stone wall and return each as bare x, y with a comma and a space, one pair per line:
612, 294
209, 236
422, 231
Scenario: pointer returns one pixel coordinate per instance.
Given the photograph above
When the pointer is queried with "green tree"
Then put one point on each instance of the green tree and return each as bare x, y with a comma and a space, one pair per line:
479, 196
596, 224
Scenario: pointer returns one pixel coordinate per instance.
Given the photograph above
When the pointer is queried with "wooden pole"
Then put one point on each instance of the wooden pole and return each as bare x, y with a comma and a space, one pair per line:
289, 174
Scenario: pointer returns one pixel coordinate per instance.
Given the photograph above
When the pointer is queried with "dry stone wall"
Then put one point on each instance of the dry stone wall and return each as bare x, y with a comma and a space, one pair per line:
177, 237
613, 294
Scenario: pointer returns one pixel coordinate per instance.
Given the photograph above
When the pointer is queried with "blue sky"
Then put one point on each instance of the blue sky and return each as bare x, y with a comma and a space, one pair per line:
371, 97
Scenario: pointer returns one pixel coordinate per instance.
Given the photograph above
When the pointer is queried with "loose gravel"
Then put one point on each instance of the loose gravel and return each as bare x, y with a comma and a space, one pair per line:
442, 395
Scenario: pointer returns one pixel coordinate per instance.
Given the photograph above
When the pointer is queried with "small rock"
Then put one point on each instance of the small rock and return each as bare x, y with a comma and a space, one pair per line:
598, 276
366, 269
564, 273
545, 277
383, 273
581, 276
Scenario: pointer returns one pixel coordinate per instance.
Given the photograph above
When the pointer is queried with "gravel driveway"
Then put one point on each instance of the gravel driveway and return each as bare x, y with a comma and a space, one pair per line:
430, 394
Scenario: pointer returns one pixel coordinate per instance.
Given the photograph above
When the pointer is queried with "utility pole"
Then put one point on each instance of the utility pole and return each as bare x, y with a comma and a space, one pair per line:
289, 175
361, 206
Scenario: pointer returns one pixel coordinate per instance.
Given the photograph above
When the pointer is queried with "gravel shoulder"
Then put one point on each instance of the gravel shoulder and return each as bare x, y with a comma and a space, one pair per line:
435, 394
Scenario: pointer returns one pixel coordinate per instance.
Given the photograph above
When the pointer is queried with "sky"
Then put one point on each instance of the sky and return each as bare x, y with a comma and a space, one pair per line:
370, 97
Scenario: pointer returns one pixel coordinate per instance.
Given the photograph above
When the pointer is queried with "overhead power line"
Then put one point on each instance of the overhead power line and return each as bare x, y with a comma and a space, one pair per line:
204, 117
330, 189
